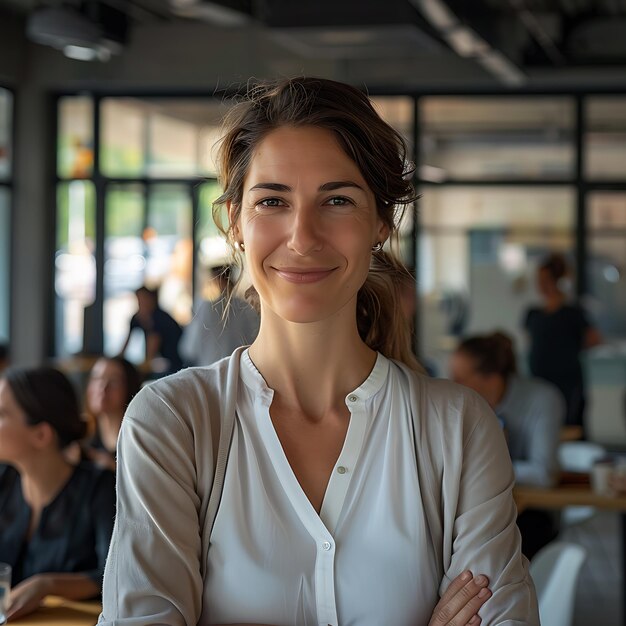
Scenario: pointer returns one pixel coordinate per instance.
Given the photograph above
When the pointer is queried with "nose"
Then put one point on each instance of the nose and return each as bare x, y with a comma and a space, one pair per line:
305, 236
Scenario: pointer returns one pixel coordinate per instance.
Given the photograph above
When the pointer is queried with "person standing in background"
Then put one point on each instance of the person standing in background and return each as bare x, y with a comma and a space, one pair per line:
161, 330
219, 326
558, 333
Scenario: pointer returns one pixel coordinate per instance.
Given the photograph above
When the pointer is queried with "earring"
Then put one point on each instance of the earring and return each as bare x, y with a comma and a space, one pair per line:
378, 247
240, 246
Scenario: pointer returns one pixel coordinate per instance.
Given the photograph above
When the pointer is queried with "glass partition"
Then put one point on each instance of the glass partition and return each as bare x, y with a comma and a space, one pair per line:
497, 138
605, 138
478, 252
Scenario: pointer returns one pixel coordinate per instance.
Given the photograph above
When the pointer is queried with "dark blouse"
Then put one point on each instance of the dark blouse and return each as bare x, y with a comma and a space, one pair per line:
74, 531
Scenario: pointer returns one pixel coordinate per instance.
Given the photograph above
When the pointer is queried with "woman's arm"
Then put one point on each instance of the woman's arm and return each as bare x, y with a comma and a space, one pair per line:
28, 595
485, 537
153, 570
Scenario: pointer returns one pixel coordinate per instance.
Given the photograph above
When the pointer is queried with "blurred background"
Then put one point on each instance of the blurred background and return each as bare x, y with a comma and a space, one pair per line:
514, 111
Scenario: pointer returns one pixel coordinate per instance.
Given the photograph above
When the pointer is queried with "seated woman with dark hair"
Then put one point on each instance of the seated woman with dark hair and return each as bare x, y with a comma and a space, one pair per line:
56, 520
113, 382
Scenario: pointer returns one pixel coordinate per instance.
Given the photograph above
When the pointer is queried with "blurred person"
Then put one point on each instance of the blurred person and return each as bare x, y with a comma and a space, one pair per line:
56, 519
559, 331
352, 489
220, 326
113, 382
531, 412
162, 332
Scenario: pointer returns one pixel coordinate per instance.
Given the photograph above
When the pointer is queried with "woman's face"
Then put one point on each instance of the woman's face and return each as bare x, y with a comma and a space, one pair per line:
106, 390
15, 433
463, 371
308, 221
546, 285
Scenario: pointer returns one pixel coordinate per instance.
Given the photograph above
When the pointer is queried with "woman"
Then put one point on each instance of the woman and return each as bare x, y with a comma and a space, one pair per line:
113, 382
531, 412
55, 519
356, 489
558, 333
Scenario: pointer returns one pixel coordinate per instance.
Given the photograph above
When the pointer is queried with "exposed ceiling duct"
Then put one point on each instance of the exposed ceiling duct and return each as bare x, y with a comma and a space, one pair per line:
466, 42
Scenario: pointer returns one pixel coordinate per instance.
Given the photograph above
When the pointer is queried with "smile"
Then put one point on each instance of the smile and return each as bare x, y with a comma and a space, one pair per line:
301, 276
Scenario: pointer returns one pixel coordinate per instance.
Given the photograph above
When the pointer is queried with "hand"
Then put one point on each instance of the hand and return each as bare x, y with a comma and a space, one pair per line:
26, 597
461, 602
101, 458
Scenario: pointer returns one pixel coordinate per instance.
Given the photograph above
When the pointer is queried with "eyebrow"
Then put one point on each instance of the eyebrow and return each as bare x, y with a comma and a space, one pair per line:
332, 186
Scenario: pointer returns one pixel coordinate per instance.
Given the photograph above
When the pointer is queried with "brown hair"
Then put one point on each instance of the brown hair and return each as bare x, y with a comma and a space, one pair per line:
46, 395
556, 265
492, 354
381, 156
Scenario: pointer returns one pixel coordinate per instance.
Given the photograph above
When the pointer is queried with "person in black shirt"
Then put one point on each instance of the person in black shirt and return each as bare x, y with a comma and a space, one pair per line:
161, 330
56, 519
558, 333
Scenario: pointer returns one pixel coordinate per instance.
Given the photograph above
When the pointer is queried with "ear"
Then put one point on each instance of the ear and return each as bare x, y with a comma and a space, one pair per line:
383, 231
43, 434
234, 217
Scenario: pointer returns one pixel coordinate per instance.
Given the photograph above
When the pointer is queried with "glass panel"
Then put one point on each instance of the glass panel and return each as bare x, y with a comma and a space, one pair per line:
211, 246
169, 247
160, 138
606, 269
123, 137
75, 264
478, 251
124, 265
6, 132
606, 138
5, 260
75, 138
497, 138
399, 112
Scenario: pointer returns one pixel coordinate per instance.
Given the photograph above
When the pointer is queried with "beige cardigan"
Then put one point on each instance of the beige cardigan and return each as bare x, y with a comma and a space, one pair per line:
158, 554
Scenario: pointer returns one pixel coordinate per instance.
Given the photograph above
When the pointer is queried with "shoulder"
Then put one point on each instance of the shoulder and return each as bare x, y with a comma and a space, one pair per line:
94, 477
451, 406
8, 476
185, 397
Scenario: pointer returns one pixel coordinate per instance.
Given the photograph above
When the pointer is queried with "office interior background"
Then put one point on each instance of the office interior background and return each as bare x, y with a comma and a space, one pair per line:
514, 110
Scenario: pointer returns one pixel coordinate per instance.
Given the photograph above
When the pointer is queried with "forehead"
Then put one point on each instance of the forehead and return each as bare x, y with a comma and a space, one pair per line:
106, 368
296, 155
7, 400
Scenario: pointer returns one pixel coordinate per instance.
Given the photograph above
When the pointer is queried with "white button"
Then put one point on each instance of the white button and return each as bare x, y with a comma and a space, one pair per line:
352, 398
326, 545
342, 470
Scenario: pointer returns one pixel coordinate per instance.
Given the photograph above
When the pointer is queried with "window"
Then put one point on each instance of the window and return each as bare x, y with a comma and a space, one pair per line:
478, 252
497, 138
606, 138
606, 266
157, 157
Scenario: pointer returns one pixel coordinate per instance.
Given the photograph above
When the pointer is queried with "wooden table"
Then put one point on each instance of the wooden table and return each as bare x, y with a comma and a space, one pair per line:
580, 494
60, 612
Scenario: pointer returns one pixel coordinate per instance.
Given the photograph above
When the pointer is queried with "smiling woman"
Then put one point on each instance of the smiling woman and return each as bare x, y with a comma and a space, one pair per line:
354, 490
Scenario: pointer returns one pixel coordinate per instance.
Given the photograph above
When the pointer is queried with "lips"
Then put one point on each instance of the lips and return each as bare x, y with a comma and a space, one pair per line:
304, 276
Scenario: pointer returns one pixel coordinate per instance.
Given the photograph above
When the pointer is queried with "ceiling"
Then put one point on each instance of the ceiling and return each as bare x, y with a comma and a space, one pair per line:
512, 40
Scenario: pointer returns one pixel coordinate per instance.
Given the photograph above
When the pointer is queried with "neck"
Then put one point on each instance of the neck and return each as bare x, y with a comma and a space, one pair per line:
495, 395
109, 425
554, 301
43, 476
312, 366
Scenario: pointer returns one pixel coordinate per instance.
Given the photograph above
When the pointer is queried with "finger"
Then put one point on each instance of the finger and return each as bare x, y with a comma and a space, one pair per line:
470, 611
463, 605
456, 585
475, 621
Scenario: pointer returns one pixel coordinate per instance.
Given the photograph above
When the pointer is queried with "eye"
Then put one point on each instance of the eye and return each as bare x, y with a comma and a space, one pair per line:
339, 201
270, 203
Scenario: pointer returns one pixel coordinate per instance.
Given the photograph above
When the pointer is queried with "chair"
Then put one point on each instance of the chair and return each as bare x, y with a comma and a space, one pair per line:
578, 456
554, 570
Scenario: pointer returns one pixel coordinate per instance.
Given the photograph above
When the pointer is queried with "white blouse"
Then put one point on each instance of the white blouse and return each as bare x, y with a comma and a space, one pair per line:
363, 561
422, 490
